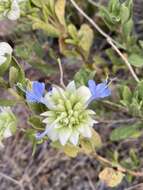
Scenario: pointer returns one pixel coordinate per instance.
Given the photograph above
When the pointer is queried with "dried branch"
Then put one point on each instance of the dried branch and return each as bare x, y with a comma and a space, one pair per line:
61, 74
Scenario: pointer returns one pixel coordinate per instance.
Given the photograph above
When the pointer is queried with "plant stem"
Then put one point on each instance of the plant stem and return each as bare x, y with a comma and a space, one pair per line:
61, 74
108, 38
115, 105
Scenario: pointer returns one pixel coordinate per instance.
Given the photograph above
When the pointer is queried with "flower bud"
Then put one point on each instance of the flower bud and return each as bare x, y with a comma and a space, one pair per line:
8, 123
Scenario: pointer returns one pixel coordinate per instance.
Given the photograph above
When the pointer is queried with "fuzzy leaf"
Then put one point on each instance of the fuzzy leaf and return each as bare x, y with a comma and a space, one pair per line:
95, 140
4, 66
124, 13
13, 76
60, 11
86, 146
71, 150
4, 102
52, 5
140, 89
124, 132
37, 3
83, 75
136, 60
36, 122
72, 31
86, 38
127, 95
20, 72
46, 27
127, 28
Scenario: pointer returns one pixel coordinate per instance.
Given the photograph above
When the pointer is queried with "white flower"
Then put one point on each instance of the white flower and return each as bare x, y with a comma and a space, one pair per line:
8, 123
5, 49
68, 117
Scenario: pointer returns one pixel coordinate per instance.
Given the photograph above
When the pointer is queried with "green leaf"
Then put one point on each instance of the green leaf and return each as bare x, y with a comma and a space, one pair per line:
127, 95
135, 107
83, 75
71, 150
42, 66
86, 38
140, 89
5, 66
112, 56
37, 108
73, 31
95, 140
127, 28
113, 5
37, 3
3, 83
60, 11
52, 6
36, 122
20, 72
30, 134
136, 60
86, 146
124, 132
124, 13
89, 145
13, 76
4, 102
46, 27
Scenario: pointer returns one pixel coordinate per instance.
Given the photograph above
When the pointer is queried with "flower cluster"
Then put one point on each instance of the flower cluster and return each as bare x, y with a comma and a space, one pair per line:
67, 117
8, 123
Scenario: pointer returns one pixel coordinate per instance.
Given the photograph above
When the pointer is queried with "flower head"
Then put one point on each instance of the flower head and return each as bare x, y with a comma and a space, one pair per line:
5, 50
68, 117
35, 95
8, 123
98, 91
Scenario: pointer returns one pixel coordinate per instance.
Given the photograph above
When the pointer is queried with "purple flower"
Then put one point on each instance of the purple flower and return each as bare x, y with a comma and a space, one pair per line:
98, 91
37, 92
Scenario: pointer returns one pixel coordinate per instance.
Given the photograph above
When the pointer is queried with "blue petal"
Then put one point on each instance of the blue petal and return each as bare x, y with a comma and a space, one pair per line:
39, 136
30, 97
99, 91
92, 86
38, 88
36, 94
102, 90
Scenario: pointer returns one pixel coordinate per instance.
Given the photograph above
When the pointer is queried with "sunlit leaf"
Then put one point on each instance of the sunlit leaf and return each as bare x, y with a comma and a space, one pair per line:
86, 38
60, 10
111, 177
71, 150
